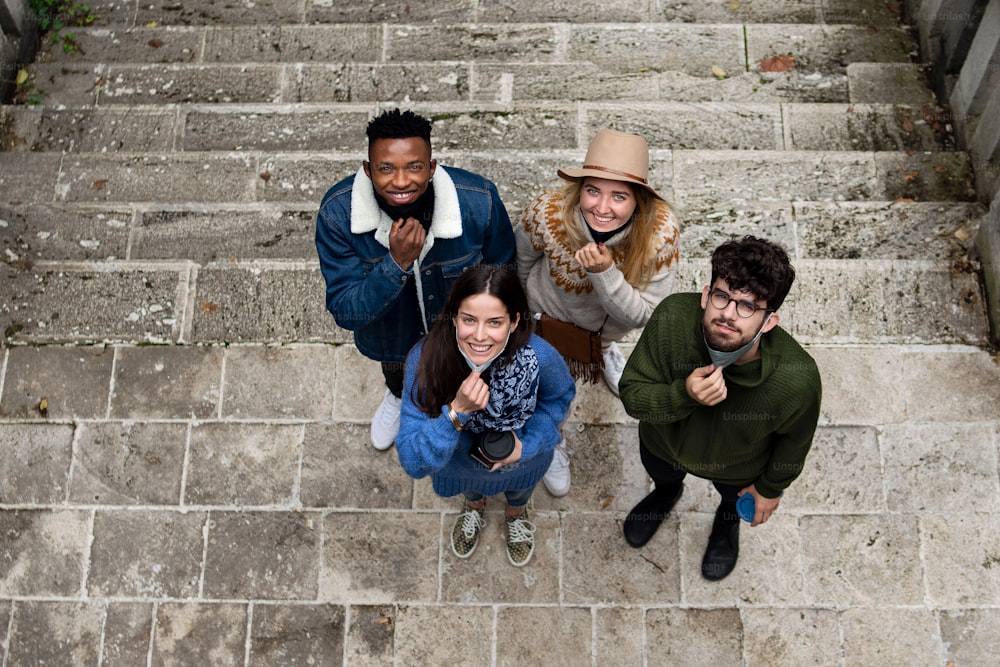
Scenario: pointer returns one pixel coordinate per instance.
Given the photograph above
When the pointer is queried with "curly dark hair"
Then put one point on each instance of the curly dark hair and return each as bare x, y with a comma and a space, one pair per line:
754, 265
442, 368
396, 124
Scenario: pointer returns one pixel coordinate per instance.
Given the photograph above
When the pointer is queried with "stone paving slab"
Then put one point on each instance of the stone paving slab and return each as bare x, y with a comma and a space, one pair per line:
264, 129
889, 83
860, 127
159, 84
32, 232
819, 48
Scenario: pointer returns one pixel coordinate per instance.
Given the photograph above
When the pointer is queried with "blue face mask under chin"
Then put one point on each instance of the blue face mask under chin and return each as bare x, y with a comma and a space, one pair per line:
479, 368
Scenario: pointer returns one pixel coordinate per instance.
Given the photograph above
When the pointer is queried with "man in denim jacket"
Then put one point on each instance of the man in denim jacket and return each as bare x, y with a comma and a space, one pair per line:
391, 240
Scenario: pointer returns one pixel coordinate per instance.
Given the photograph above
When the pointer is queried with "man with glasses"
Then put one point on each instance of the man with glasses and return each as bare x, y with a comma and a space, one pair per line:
723, 393
393, 237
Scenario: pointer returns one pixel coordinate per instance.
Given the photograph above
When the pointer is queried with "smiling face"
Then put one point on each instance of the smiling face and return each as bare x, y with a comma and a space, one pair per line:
724, 329
400, 169
483, 325
606, 204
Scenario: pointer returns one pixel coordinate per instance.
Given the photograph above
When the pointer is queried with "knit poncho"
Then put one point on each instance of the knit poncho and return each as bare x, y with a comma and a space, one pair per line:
759, 434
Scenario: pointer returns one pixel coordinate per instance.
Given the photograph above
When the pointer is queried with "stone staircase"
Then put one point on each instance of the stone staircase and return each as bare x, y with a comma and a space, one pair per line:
183, 428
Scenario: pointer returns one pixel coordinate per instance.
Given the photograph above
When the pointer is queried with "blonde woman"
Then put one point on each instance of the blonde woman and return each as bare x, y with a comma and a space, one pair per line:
595, 258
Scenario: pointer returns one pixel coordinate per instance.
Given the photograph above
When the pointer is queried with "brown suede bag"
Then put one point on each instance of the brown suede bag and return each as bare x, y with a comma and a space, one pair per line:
579, 347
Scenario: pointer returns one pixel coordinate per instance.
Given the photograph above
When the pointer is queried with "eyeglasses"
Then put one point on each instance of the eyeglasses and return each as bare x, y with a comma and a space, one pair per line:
744, 309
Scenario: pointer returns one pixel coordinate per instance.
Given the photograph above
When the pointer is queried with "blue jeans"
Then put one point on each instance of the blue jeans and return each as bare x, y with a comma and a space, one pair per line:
515, 499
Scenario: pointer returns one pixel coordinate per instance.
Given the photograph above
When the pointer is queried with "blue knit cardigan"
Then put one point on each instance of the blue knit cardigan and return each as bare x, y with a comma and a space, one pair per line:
429, 445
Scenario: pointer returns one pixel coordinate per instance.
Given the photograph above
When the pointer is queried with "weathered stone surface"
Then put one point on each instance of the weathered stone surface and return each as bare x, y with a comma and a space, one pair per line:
851, 376
615, 638
557, 81
363, 82
70, 83
671, 47
42, 553
168, 178
862, 560
358, 390
704, 229
262, 129
167, 382
940, 468
889, 83
262, 555
719, 126
420, 630
144, 44
55, 633
599, 567
523, 127
535, 626
694, 636
75, 303
210, 235
969, 634
960, 559
870, 230
222, 12
146, 554
394, 558
340, 468
370, 636
755, 87
925, 377
268, 42
799, 636
891, 636
767, 11
248, 303
827, 49
297, 635
279, 382
32, 232
242, 464
823, 487
486, 42
381, 11
925, 176
170, 84
103, 130
860, 127
861, 12
128, 631
302, 181
578, 11
187, 632
72, 382
28, 178
35, 459
128, 463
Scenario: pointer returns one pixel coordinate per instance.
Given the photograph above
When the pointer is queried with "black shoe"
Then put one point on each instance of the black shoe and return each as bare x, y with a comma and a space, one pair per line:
642, 522
723, 548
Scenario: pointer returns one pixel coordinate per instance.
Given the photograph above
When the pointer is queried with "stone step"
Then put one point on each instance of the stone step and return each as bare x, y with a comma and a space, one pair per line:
621, 47
208, 233
531, 126
109, 13
701, 182
229, 301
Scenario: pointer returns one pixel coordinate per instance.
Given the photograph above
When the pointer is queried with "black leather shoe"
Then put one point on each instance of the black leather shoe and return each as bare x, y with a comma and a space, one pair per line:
642, 522
723, 549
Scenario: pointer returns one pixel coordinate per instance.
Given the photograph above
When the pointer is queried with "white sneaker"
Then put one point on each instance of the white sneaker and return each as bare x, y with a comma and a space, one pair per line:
385, 423
614, 365
557, 477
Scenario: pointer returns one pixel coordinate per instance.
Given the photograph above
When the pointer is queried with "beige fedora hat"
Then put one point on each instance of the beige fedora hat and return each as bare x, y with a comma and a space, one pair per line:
618, 156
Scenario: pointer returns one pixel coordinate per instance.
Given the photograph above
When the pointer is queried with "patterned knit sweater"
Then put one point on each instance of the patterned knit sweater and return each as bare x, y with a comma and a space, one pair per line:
759, 434
430, 445
557, 285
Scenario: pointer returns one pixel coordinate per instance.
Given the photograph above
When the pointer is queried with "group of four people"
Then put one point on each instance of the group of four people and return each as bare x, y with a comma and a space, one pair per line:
481, 328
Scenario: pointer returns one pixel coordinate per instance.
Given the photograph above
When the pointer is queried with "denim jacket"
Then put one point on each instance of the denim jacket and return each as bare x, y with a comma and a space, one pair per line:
364, 284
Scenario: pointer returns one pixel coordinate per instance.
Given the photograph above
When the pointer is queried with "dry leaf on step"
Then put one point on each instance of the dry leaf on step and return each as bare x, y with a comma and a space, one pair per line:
781, 63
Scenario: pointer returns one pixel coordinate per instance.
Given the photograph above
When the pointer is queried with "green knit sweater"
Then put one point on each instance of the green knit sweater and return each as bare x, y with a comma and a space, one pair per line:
759, 434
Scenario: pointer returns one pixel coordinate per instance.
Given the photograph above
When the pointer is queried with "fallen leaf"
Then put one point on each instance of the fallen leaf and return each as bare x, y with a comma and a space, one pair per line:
894, 8
718, 72
154, 43
963, 234
908, 125
385, 620
606, 502
22, 77
912, 176
940, 168
903, 200
870, 29
99, 185
265, 176
734, 5
209, 307
781, 63
43, 407
152, 24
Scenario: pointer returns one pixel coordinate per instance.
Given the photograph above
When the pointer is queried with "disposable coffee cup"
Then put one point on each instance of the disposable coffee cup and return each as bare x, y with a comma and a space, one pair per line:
496, 445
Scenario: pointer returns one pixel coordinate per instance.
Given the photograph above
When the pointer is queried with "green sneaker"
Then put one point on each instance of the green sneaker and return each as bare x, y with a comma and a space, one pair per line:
465, 532
520, 539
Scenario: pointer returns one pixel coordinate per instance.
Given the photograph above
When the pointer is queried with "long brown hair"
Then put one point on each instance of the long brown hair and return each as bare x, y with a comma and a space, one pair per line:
442, 367
637, 253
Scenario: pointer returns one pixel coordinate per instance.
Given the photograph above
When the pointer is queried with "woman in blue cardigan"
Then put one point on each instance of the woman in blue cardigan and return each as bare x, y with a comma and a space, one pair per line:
483, 402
